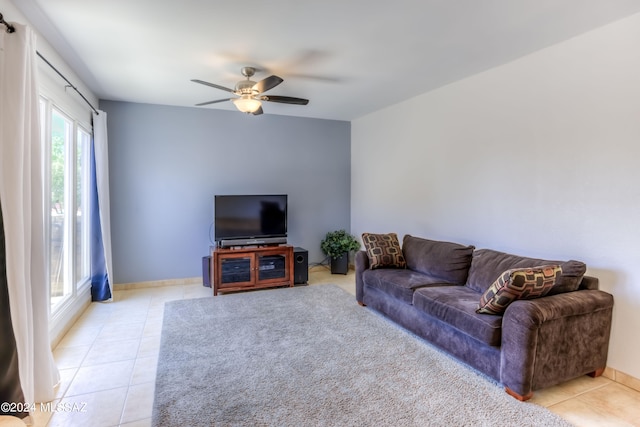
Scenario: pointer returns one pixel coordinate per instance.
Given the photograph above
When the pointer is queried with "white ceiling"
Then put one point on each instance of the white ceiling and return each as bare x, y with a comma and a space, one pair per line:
348, 57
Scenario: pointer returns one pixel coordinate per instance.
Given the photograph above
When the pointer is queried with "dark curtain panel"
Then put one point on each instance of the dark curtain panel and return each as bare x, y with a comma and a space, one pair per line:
10, 389
100, 290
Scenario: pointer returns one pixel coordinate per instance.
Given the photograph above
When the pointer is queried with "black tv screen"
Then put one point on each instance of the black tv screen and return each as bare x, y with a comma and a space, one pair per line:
250, 216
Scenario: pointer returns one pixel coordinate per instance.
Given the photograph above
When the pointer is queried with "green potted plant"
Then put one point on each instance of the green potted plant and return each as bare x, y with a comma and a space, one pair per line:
337, 245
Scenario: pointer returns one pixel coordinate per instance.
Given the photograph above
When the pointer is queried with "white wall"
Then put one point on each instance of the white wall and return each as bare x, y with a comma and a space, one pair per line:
537, 157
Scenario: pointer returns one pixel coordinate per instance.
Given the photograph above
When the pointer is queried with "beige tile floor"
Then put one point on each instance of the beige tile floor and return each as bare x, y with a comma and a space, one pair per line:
108, 364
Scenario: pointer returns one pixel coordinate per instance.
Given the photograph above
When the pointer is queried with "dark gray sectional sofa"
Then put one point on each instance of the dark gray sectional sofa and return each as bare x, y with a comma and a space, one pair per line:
535, 343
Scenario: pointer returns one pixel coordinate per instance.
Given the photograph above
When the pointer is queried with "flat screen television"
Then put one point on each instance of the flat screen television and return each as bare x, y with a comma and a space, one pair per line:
242, 220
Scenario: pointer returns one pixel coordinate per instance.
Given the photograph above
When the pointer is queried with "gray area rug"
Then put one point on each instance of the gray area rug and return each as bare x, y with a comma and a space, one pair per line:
310, 356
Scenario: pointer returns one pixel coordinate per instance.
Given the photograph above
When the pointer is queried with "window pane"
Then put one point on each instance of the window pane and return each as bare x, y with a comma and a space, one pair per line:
61, 138
67, 146
82, 206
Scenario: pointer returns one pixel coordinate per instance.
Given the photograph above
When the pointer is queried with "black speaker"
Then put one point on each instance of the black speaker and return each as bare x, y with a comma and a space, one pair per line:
300, 266
206, 271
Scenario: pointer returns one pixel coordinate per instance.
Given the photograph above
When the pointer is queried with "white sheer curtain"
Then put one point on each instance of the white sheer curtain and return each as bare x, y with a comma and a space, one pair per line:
101, 149
21, 192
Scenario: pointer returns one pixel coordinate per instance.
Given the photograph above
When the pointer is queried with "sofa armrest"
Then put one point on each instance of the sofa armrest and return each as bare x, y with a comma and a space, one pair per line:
589, 282
552, 339
362, 263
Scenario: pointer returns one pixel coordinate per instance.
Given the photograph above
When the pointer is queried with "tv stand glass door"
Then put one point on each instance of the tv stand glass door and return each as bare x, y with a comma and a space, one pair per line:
237, 270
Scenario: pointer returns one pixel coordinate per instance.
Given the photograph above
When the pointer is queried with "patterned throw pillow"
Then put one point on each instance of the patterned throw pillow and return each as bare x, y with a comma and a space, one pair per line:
518, 283
383, 250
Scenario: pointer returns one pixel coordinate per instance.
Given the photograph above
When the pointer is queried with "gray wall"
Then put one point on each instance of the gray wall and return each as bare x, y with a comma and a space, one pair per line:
166, 164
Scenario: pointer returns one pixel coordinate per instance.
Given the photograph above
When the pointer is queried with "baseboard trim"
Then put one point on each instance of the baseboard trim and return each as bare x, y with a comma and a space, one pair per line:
187, 281
157, 283
622, 378
321, 267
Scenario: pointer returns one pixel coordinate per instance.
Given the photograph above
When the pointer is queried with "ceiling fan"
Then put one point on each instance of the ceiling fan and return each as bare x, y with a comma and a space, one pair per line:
251, 93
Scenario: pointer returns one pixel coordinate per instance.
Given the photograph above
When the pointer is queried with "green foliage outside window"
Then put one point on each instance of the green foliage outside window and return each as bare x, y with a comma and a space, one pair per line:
58, 132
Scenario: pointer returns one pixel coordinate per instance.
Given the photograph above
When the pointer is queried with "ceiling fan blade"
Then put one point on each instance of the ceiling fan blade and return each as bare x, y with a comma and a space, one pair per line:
285, 99
213, 102
266, 84
258, 112
202, 82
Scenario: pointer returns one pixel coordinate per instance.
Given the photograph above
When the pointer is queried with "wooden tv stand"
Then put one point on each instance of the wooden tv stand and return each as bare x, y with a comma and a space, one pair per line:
251, 267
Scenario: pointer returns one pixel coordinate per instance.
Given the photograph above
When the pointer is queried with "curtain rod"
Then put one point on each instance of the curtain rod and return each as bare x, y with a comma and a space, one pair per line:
11, 29
69, 83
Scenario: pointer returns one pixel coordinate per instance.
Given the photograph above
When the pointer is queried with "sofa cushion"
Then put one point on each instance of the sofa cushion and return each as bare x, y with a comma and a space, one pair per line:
447, 261
518, 283
399, 283
572, 274
456, 306
383, 250
488, 264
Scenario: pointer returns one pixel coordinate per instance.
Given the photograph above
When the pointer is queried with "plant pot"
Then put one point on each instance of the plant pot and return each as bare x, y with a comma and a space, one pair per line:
340, 265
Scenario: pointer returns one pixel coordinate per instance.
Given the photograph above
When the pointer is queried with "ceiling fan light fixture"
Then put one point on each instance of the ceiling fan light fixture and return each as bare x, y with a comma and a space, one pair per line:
250, 93
247, 104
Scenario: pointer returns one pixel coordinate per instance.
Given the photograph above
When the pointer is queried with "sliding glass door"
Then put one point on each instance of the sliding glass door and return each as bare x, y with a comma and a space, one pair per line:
59, 259
67, 148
